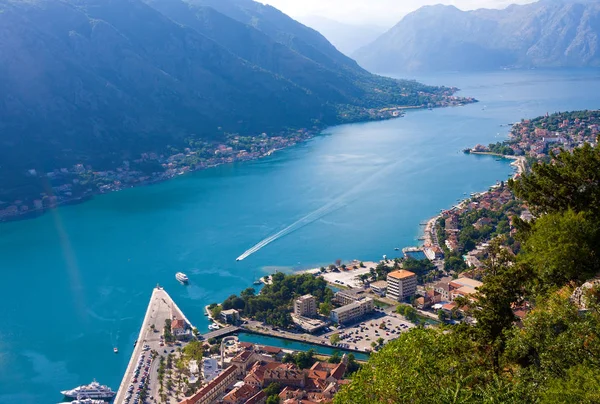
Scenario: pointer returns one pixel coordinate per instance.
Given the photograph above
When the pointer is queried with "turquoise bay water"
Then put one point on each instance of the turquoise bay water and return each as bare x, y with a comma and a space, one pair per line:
75, 282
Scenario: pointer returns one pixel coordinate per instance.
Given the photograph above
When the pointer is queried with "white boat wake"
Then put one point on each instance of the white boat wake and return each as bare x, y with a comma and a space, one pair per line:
311, 217
328, 208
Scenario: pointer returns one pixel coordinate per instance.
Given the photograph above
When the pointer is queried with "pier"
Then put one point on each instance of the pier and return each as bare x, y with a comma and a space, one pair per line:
160, 308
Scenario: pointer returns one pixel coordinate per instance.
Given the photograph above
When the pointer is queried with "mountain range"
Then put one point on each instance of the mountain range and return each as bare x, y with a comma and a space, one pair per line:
347, 38
548, 33
97, 82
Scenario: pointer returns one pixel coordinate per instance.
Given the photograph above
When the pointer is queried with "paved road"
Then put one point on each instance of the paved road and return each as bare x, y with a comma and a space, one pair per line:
160, 308
221, 332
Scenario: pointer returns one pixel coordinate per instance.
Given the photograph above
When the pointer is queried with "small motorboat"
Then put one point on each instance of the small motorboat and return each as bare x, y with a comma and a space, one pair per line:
116, 350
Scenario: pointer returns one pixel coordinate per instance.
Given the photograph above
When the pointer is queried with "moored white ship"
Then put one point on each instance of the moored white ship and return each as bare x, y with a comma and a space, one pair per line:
93, 390
181, 277
85, 401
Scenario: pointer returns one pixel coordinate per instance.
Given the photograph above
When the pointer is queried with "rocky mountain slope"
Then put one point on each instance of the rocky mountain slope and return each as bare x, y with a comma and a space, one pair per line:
548, 33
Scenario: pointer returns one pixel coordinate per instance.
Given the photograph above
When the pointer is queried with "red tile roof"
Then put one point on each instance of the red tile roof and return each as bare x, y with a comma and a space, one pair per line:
244, 392
339, 371
177, 323
204, 390
242, 356
257, 398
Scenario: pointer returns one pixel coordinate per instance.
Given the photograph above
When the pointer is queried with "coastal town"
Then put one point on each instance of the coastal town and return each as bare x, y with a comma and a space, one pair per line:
81, 181
352, 308
65, 185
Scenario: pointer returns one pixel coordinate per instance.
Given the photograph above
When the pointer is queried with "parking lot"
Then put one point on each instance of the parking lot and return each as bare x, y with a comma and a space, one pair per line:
362, 334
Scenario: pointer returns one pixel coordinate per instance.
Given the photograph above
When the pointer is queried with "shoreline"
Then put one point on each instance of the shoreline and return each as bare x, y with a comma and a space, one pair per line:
519, 165
309, 134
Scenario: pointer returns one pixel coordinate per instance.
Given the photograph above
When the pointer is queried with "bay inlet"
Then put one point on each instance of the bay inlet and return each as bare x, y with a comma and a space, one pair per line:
78, 278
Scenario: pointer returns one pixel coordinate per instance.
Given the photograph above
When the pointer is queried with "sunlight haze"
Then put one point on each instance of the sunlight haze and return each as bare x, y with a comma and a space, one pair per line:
379, 12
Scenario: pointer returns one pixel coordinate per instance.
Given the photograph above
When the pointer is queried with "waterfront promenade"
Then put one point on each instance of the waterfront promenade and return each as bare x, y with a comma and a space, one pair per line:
160, 308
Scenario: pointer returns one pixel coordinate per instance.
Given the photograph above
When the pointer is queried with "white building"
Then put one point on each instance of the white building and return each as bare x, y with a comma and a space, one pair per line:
352, 311
210, 369
401, 284
305, 306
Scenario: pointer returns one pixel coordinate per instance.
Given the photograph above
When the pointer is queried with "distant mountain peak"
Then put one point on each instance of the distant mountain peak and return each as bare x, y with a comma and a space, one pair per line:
548, 33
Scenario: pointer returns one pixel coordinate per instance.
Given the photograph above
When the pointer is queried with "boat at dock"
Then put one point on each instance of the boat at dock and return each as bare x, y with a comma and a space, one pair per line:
85, 401
93, 390
181, 277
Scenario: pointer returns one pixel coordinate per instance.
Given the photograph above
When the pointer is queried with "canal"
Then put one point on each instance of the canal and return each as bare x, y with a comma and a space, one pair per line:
295, 345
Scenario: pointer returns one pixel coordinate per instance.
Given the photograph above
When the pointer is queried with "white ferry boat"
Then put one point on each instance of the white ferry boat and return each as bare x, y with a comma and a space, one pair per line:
181, 277
85, 401
91, 391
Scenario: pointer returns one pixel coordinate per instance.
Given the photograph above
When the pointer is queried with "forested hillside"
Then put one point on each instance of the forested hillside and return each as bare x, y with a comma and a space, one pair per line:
100, 83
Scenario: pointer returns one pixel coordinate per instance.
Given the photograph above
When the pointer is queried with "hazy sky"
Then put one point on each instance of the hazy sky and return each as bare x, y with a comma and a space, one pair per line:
380, 12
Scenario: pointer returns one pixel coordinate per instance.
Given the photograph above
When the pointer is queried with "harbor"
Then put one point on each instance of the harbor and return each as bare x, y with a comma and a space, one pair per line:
161, 309
94, 301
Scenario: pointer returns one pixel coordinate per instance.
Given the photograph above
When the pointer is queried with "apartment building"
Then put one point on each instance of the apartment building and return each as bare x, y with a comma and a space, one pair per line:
401, 284
352, 311
305, 306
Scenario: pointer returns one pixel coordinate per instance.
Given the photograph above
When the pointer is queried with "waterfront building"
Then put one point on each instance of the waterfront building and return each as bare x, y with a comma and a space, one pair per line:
231, 316
305, 306
211, 392
433, 253
379, 287
348, 296
352, 311
401, 284
180, 329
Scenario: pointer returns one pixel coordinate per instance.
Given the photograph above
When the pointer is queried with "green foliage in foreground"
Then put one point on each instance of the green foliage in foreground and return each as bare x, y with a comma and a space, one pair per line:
553, 356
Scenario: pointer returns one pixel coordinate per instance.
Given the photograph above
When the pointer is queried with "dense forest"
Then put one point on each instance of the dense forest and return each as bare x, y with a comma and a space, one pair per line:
552, 354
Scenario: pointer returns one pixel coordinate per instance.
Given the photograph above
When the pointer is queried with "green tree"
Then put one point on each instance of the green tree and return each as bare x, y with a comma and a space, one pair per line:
193, 351
442, 315
272, 389
273, 399
581, 384
563, 247
335, 358
215, 312
572, 181
407, 311
247, 293
334, 338
424, 366
325, 308
305, 360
